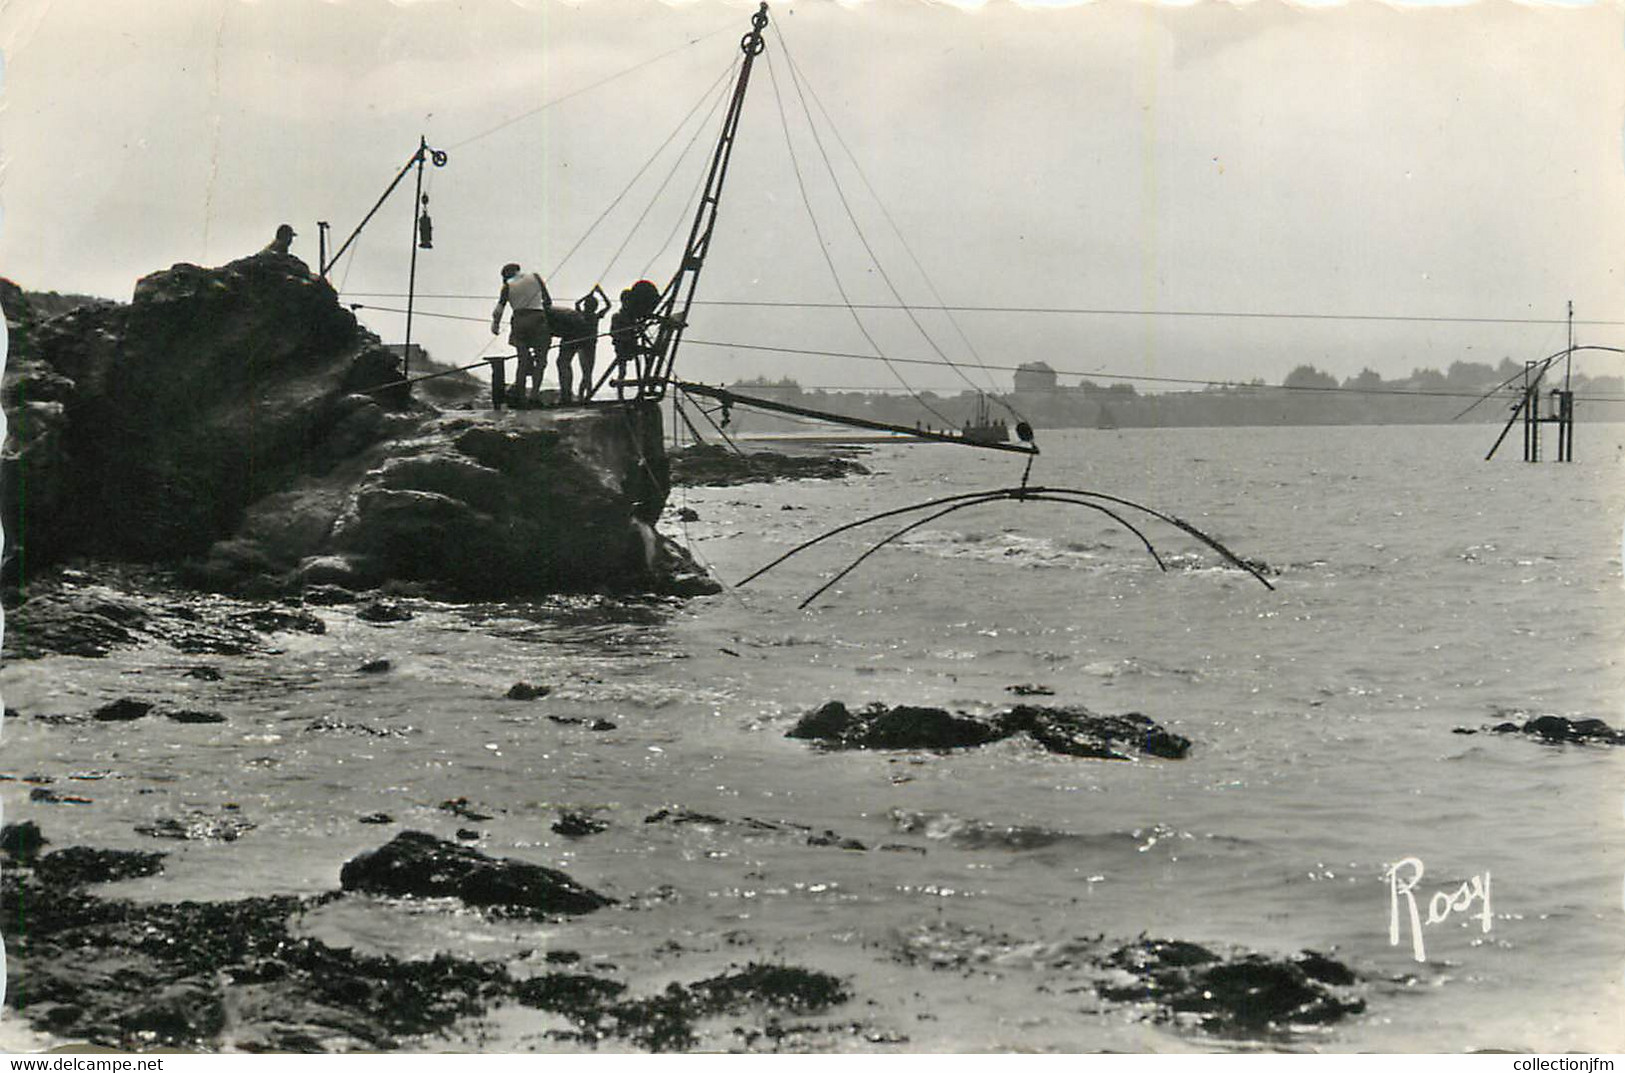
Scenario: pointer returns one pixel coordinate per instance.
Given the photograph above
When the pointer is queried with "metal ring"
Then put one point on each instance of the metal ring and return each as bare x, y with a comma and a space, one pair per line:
752, 44
439, 157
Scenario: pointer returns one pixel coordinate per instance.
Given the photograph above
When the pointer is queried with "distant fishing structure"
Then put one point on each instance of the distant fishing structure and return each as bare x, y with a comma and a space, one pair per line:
1558, 408
648, 336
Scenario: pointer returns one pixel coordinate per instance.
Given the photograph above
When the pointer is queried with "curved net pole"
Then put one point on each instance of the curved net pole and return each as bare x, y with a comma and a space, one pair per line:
977, 503
838, 530
1076, 496
1114, 516
1177, 523
909, 528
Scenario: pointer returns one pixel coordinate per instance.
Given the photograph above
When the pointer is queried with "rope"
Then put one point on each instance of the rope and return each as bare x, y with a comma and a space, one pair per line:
725, 437
1107, 374
682, 218
896, 231
1069, 310
795, 80
647, 164
661, 189
818, 232
589, 88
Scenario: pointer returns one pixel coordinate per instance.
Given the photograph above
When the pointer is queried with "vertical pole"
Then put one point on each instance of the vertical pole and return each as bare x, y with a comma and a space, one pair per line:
1568, 359
321, 248
1562, 428
1531, 406
1568, 421
1565, 405
412, 273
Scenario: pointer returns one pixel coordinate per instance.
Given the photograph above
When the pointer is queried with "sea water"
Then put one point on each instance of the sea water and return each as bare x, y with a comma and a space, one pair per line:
1418, 590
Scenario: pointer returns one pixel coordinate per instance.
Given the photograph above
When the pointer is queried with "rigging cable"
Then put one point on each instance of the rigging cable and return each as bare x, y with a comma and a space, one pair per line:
589, 88
1127, 312
1104, 373
858, 230
661, 189
703, 412
818, 232
1078, 310
798, 79
686, 216
681, 123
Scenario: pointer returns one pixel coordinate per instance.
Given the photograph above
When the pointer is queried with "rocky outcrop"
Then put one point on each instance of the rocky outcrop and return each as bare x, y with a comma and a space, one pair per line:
1556, 730
71, 614
1245, 995
711, 464
481, 506
79, 865
223, 975
1072, 731
665, 1021
418, 864
147, 429
239, 420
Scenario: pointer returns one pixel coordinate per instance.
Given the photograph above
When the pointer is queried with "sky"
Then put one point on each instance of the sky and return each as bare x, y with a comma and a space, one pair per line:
1325, 165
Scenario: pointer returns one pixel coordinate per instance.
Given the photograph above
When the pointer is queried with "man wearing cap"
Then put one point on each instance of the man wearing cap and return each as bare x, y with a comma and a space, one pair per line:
527, 331
283, 241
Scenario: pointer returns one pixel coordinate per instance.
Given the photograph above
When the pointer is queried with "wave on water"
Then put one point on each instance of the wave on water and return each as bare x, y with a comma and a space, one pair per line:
967, 833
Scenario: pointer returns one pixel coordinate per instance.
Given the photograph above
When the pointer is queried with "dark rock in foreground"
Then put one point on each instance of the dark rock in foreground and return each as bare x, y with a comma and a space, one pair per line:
665, 1021
121, 711
461, 807
383, 611
242, 976
20, 841
77, 865
73, 624
1556, 730
197, 827
192, 715
274, 620
71, 614
164, 974
709, 464
1072, 731
421, 865
578, 824
1245, 995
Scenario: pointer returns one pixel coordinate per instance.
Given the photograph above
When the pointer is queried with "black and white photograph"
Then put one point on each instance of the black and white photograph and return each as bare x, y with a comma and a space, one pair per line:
878, 527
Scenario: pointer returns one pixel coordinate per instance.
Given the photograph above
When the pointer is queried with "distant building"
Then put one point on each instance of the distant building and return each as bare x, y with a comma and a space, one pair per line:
1035, 376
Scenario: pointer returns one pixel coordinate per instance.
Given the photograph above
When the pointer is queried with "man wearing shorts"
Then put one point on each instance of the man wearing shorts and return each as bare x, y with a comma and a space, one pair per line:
527, 295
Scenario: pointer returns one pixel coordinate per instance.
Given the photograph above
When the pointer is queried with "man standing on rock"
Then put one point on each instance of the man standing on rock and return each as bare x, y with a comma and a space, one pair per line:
578, 339
528, 331
283, 242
